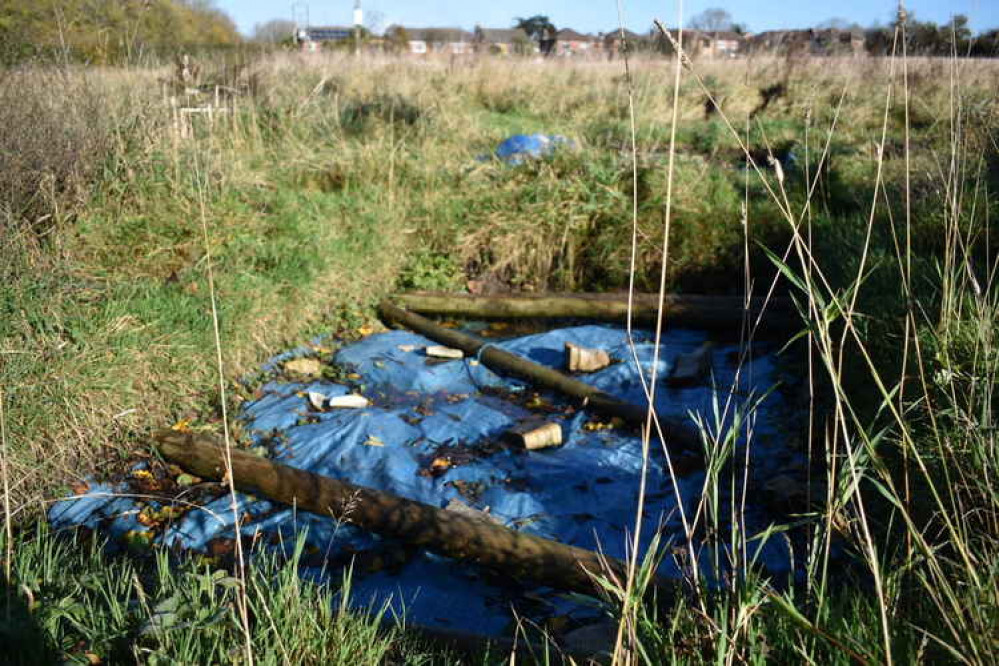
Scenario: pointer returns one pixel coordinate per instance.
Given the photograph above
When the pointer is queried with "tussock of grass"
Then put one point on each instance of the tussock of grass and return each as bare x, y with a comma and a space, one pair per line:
153, 611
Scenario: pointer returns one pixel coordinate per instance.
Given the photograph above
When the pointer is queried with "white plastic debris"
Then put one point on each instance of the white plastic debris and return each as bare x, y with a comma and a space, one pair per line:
440, 351
348, 402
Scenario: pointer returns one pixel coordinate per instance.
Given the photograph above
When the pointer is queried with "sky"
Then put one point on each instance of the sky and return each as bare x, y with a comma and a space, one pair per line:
602, 15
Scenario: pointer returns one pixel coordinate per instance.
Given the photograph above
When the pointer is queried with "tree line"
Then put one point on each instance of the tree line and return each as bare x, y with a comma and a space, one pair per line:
110, 31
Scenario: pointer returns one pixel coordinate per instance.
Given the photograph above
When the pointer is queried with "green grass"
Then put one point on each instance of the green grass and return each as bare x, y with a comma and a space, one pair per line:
338, 182
151, 609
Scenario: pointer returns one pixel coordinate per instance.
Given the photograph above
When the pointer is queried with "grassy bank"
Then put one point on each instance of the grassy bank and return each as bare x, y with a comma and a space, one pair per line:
333, 182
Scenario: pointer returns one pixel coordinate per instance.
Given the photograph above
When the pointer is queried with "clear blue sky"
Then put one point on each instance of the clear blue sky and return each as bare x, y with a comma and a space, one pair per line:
601, 15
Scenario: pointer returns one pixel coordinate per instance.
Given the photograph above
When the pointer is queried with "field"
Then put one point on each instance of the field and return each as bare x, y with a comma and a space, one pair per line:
863, 187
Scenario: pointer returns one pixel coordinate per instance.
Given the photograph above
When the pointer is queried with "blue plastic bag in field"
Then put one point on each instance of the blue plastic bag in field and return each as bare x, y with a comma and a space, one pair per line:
522, 146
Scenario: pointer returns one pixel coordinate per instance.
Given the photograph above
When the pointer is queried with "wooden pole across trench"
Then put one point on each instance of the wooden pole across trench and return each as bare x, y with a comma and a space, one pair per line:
720, 314
448, 533
679, 435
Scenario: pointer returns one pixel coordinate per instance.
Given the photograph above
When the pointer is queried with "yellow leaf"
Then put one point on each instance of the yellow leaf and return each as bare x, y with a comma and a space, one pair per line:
181, 426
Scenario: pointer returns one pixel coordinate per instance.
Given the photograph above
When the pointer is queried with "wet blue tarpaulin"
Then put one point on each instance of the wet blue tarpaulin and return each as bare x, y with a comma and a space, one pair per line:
434, 432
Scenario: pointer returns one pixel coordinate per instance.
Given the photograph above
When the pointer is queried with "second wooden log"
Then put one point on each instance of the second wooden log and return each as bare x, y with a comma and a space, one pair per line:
723, 314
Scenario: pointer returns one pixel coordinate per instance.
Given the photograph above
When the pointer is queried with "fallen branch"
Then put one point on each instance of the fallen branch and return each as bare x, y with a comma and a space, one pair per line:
715, 313
448, 533
678, 433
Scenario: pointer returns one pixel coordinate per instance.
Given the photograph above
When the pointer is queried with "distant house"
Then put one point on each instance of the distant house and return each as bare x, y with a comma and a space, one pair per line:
572, 43
699, 43
720, 44
632, 42
453, 41
332, 33
314, 38
828, 42
503, 40
833, 41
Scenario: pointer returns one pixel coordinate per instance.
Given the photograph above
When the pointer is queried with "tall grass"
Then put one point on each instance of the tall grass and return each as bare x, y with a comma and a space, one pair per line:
909, 471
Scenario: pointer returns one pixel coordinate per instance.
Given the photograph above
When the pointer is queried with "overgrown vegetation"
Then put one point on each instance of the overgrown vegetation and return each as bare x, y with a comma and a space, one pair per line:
109, 31
337, 180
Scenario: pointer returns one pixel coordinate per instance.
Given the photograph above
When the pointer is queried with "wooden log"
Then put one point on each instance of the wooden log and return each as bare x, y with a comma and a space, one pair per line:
679, 434
714, 313
448, 533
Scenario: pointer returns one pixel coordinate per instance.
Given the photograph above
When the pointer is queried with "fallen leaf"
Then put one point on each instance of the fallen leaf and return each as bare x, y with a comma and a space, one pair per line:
181, 426
139, 538
221, 547
146, 518
187, 480
310, 367
365, 330
93, 659
80, 487
374, 441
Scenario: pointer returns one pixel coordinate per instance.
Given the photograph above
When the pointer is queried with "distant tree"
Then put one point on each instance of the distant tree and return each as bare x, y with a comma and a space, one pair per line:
274, 31
959, 34
374, 21
522, 45
837, 23
397, 39
714, 19
986, 45
537, 27
110, 31
878, 40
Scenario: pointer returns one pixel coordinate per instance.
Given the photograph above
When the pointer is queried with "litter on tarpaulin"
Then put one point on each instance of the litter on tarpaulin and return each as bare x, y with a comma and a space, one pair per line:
691, 368
435, 432
537, 437
440, 351
580, 359
352, 401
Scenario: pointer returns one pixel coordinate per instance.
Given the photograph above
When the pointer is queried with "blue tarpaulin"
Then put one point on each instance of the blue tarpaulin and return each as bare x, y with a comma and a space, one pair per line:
519, 147
424, 410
